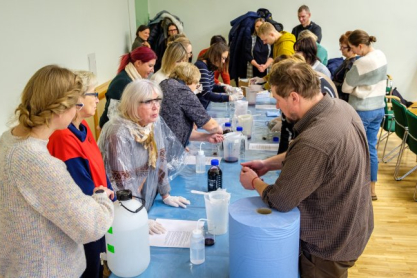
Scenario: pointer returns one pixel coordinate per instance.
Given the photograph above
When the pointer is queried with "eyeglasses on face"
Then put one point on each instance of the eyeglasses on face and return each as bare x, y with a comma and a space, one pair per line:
79, 106
172, 30
95, 94
152, 102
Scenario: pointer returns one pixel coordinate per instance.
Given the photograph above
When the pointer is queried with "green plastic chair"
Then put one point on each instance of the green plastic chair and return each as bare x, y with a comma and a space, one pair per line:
401, 130
412, 140
387, 125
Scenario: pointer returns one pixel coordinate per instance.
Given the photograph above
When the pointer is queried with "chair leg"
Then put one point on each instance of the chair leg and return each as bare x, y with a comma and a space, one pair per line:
415, 191
397, 166
380, 138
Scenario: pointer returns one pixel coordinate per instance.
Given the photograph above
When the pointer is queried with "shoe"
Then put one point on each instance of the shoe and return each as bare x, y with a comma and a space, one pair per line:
374, 198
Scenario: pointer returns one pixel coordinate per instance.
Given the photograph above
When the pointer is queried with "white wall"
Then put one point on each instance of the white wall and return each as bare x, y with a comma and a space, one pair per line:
41, 32
394, 24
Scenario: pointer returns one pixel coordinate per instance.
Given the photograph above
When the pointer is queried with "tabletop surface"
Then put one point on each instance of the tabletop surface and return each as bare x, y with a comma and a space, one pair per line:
175, 262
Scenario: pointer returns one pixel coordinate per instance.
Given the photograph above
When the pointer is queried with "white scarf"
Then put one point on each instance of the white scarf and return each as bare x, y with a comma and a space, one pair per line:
132, 72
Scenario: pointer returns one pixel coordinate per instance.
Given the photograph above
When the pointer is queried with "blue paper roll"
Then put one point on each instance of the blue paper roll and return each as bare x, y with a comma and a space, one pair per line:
262, 245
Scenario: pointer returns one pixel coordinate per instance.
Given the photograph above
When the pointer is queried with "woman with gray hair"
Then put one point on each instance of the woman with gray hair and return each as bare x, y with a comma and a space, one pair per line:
139, 149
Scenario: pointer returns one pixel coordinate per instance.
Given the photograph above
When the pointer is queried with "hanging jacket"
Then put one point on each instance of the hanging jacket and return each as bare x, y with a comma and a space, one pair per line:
158, 33
242, 29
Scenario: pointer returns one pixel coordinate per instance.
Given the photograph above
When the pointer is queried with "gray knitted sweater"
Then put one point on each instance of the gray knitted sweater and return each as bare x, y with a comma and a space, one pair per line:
44, 216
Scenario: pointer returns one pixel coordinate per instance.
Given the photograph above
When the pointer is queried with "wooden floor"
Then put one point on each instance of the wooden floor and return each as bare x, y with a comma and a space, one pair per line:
392, 249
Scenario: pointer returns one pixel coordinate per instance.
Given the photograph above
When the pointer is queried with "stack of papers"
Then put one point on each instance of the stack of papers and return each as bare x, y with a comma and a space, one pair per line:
177, 235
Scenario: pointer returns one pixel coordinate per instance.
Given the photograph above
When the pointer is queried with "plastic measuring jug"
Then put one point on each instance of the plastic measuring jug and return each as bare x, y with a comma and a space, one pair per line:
231, 147
246, 122
241, 107
217, 211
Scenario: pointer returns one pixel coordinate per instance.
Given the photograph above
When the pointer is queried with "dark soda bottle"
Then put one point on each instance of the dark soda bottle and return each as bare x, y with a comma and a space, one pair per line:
214, 180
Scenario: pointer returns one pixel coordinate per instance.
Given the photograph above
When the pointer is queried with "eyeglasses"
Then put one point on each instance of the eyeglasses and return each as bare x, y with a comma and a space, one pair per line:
152, 102
95, 94
79, 106
172, 30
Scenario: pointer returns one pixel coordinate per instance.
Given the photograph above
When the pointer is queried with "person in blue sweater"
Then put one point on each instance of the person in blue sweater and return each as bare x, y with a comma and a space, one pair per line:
213, 60
78, 149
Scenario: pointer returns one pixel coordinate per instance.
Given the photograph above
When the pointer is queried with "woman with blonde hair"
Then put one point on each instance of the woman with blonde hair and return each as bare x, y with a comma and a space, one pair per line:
140, 152
181, 108
76, 146
174, 54
45, 217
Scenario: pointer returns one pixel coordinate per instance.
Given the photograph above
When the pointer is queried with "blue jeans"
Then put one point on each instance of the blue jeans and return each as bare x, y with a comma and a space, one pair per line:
372, 122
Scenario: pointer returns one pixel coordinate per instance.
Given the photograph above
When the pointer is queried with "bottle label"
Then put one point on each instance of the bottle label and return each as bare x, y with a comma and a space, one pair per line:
212, 185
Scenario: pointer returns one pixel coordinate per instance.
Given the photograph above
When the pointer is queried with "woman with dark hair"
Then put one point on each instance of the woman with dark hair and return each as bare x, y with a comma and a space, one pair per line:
142, 35
308, 48
135, 65
225, 72
340, 73
366, 82
212, 60
257, 54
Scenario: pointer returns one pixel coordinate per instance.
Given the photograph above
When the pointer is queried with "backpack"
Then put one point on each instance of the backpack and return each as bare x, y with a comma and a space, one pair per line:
267, 15
403, 101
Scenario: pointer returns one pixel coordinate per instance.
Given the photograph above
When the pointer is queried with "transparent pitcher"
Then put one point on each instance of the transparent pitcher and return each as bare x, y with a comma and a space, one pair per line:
217, 211
246, 122
231, 147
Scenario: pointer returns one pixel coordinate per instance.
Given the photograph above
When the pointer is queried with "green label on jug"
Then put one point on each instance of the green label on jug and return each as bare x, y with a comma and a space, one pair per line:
110, 248
110, 231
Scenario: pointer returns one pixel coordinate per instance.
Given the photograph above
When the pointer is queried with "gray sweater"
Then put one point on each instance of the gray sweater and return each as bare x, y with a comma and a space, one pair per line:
45, 218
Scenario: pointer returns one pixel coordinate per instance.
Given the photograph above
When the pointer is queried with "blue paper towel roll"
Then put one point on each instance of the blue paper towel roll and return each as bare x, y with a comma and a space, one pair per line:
262, 245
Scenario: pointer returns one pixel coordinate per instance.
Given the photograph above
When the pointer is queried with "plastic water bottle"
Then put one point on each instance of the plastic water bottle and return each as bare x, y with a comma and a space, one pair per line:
127, 240
275, 140
227, 128
242, 142
200, 163
197, 251
215, 176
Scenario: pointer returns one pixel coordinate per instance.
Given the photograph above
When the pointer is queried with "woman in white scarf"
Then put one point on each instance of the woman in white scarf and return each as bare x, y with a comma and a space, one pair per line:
138, 147
134, 65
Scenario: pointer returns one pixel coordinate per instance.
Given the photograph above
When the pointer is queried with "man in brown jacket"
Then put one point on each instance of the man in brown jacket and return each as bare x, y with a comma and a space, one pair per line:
325, 173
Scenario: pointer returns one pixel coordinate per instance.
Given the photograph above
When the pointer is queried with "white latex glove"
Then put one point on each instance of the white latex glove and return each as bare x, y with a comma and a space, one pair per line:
228, 89
155, 227
256, 80
176, 201
236, 95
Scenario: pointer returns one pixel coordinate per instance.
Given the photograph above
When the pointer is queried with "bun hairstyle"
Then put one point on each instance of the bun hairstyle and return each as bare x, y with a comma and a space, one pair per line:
360, 37
51, 90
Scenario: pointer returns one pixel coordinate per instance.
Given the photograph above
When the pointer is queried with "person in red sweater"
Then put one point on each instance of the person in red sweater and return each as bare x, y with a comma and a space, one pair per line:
76, 146
225, 73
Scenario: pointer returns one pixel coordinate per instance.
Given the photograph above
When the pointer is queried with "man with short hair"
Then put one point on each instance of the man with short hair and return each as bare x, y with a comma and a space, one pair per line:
325, 173
283, 42
306, 24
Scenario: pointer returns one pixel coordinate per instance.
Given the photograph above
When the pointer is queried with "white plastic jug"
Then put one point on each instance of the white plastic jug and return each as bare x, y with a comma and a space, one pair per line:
128, 252
246, 122
231, 147
217, 211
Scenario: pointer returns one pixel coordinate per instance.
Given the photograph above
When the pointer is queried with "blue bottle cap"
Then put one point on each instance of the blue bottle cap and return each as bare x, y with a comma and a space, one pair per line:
228, 124
239, 128
214, 162
275, 139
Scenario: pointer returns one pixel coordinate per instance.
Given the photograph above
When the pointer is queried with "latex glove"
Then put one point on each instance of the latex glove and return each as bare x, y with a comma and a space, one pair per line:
228, 89
176, 201
256, 80
236, 96
155, 227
